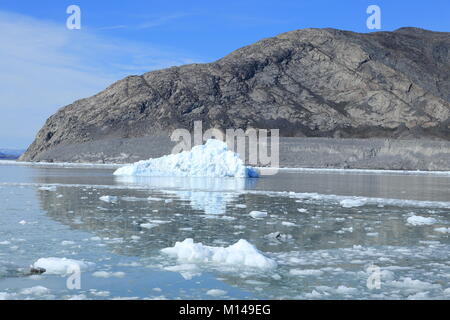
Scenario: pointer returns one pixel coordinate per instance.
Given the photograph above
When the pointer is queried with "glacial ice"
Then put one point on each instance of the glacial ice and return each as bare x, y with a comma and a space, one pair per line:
213, 159
418, 220
240, 254
62, 266
258, 214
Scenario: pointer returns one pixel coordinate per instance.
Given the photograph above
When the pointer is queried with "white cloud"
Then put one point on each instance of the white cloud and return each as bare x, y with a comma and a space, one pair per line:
46, 66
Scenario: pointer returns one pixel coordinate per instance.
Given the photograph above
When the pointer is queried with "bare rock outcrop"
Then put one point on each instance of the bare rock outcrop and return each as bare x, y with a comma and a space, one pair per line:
307, 83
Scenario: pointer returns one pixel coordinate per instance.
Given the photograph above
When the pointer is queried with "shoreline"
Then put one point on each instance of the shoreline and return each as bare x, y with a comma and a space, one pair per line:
294, 152
293, 169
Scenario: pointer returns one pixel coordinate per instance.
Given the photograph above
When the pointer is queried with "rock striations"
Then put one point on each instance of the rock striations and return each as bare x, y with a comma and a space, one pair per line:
307, 83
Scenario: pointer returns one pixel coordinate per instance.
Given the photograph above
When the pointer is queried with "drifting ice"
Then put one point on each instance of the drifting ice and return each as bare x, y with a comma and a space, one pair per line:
242, 253
62, 266
213, 159
418, 220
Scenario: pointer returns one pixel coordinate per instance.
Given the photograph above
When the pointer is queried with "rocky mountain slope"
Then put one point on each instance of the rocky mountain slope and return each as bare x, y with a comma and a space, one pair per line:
307, 83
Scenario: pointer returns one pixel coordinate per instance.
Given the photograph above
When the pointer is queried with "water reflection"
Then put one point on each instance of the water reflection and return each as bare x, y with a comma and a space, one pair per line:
210, 195
322, 235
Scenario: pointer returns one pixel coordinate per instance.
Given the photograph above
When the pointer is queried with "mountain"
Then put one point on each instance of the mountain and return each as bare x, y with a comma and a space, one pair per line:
10, 154
307, 83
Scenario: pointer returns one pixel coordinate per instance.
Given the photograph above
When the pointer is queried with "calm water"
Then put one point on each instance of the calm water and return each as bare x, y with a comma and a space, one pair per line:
324, 251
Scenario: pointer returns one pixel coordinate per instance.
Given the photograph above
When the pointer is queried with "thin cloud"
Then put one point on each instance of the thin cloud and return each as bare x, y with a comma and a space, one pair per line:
46, 66
162, 20
113, 27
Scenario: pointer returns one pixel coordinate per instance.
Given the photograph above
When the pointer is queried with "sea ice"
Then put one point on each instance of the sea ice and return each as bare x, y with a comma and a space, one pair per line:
51, 188
213, 159
412, 284
62, 266
242, 253
442, 230
305, 272
351, 203
37, 291
258, 214
418, 220
187, 271
105, 274
216, 292
109, 198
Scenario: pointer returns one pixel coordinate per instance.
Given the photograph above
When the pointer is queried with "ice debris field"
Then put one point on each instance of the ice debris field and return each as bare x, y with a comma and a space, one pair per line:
180, 236
213, 159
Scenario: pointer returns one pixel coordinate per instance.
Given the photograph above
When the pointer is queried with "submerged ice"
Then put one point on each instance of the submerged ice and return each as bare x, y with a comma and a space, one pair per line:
213, 159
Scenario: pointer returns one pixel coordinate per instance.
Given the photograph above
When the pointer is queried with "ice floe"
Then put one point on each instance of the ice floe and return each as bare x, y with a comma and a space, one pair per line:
216, 292
37, 291
62, 266
213, 159
106, 274
258, 214
110, 199
418, 220
241, 254
442, 230
351, 203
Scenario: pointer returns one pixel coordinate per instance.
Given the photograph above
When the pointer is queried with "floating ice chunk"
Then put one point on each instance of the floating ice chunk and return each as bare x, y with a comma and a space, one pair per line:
419, 296
242, 253
37, 291
442, 230
241, 206
77, 297
305, 272
216, 292
313, 295
418, 220
62, 266
148, 225
351, 203
51, 188
288, 224
153, 223
302, 210
109, 198
105, 274
154, 199
346, 290
213, 159
258, 214
187, 271
411, 284
99, 293
23, 222
6, 296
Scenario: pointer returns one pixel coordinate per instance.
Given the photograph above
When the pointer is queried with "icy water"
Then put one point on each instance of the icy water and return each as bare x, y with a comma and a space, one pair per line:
328, 232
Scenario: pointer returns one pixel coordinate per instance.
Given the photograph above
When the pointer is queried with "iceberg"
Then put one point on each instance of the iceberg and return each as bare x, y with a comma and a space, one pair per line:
213, 159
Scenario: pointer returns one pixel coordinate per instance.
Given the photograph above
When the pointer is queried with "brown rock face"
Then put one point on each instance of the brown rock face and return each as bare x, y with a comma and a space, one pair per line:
311, 82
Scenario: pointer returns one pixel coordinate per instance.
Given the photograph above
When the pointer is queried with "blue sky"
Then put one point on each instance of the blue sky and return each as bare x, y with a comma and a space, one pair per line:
46, 66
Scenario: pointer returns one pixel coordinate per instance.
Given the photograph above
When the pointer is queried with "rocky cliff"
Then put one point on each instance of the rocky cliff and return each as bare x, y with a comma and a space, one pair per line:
307, 83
